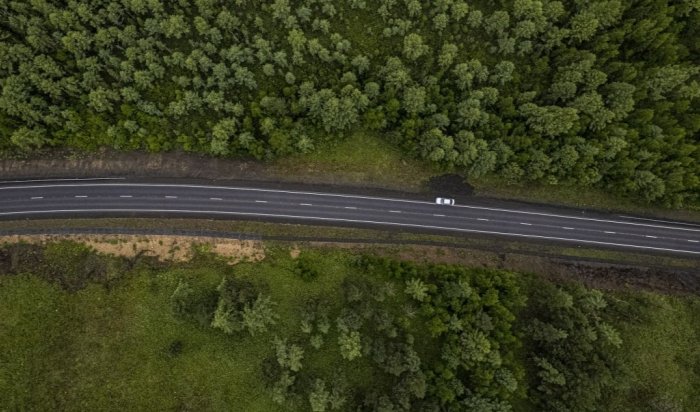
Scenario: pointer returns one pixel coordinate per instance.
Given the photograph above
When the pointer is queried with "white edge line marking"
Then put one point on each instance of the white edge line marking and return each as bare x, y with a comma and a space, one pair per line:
126, 196
352, 197
659, 220
37, 197
63, 180
330, 219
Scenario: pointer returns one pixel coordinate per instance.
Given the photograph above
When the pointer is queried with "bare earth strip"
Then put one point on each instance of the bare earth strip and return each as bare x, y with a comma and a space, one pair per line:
165, 248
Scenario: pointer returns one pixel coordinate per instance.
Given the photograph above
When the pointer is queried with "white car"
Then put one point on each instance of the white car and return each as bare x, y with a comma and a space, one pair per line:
444, 201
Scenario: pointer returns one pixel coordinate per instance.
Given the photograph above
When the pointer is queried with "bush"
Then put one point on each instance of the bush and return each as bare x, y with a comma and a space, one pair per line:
304, 268
194, 305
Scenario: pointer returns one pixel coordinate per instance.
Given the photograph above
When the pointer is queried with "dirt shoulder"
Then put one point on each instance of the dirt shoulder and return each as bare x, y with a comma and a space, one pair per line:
161, 247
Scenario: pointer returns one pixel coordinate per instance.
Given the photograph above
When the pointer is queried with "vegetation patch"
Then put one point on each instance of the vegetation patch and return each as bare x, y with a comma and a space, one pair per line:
365, 332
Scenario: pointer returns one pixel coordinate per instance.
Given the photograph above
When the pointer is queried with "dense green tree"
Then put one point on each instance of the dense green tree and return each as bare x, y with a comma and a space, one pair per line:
289, 356
241, 307
259, 315
414, 100
414, 46
350, 344
319, 397
417, 289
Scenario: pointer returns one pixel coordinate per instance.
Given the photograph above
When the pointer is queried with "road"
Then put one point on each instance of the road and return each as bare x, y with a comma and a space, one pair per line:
90, 197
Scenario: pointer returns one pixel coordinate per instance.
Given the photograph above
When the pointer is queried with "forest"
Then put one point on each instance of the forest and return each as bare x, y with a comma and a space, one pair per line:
586, 93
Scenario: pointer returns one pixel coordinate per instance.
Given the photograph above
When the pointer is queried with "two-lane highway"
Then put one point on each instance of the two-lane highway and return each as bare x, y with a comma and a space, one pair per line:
21, 200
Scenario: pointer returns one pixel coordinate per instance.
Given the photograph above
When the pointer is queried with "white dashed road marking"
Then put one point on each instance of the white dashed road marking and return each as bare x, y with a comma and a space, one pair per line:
261, 201
660, 221
37, 197
694, 241
171, 197
350, 207
651, 237
80, 196
482, 219
526, 224
567, 228
439, 215
394, 211
126, 196
305, 204
610, 233
215, 198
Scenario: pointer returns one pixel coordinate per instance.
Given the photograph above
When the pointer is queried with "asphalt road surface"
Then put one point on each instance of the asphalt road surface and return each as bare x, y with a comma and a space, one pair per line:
90, 197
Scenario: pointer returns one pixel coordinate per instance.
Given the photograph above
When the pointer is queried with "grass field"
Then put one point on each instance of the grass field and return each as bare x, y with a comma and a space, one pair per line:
360, 159
108, 350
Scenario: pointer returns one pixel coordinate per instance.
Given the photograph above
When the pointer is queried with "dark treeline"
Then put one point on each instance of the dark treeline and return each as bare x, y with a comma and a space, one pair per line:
592, 93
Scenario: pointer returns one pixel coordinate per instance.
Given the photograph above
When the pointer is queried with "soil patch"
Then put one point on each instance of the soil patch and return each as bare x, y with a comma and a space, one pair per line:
164, 248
